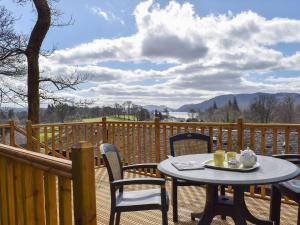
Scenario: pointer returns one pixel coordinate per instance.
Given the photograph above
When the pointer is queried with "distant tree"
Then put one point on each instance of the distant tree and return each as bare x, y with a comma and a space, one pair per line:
229, 103
3, 115
142, 114
118, 109
235, 105
166, 112
262, 108
215, 106
286, 110
11, 114
127, 105
61, 111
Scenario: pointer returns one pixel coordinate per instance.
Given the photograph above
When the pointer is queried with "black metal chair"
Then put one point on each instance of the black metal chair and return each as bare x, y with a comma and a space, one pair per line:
183, 144
290, 189
127, 201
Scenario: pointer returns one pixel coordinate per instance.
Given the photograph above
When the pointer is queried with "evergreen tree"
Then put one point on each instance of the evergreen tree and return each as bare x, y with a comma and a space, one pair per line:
235, 105
215, 106
229, 104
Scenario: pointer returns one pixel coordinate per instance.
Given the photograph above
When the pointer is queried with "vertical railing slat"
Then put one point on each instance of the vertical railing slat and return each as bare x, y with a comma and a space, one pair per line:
29, 196
165, 142
274, 141
128, 144
19, 193
287, 140
67, 140
220, 138
65, 204
51, 199
3, 191
229, 139
11, 193
263, 141
133, 144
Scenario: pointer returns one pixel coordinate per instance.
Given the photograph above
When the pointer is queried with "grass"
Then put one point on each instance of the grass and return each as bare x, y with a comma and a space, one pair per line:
109, 118
49, 134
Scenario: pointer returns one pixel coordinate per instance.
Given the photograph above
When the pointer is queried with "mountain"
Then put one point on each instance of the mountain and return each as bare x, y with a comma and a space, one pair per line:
160, 108
243, 101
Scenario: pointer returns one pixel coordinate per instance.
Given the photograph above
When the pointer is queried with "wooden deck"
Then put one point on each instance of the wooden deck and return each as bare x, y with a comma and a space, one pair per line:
190, 199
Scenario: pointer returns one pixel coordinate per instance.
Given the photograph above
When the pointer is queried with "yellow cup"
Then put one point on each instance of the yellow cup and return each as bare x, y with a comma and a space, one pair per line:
219, 158
231, 155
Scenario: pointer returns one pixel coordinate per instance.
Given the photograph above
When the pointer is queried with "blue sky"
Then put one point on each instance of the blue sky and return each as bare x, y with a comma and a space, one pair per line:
173, 52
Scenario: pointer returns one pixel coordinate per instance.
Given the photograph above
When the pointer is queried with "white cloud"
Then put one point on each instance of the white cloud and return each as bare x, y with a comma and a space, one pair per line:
108, 16
98, 11
214, 54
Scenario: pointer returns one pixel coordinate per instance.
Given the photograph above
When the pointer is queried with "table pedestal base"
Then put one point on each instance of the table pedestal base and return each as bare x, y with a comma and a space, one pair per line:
235, 207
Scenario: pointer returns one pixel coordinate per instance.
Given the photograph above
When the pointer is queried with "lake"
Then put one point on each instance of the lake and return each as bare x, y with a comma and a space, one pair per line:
181, 115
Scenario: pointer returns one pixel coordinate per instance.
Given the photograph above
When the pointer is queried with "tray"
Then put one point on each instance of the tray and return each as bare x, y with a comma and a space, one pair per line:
211, 164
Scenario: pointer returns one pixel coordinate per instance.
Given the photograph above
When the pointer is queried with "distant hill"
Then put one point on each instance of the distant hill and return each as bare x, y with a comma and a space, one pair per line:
242, 99
160, 108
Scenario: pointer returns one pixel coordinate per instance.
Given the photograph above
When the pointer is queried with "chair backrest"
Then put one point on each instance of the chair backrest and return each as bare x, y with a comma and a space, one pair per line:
293, 158
112, 161
189, 143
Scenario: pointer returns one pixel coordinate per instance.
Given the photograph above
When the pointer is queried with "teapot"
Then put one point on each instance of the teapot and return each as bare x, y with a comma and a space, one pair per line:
248, 158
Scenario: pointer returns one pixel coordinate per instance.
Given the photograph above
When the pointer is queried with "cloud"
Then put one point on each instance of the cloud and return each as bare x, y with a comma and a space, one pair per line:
108, 16
210, 55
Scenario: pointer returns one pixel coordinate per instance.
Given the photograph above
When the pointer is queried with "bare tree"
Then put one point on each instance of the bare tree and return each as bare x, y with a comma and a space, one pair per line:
262, 108
20, 50
286, 110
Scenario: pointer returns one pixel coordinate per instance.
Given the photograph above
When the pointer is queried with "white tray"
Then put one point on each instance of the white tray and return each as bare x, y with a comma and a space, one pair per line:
211, 164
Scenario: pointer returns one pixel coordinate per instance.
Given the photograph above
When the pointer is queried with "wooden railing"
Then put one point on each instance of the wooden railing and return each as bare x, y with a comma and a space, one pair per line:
140, 142
36, 189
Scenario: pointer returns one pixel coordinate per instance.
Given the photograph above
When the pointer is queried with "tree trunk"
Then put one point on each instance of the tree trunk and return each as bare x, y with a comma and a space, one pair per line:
36, 39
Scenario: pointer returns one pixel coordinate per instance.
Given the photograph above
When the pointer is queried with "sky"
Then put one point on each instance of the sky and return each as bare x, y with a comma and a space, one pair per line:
172, 52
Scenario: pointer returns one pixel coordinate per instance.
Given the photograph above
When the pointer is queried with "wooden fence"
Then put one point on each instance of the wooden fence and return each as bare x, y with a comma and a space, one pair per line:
140, 142
36, 189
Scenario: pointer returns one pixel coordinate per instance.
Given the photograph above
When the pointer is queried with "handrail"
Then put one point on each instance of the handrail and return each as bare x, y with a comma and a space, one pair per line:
63, 124
272, 125
4, 125
57, 166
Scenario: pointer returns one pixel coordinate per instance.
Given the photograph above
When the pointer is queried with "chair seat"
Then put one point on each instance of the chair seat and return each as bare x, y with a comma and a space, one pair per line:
291, 189
150, 198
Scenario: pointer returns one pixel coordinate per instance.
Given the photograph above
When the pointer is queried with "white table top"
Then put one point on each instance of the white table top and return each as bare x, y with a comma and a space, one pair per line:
271, 170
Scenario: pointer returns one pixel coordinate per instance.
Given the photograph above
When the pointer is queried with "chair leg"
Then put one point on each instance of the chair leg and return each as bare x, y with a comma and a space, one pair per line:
164, 217
112, 218
174, 201
118, 216
275, 205
298, 222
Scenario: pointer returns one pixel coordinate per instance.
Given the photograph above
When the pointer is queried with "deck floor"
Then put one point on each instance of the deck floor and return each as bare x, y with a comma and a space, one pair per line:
190, 199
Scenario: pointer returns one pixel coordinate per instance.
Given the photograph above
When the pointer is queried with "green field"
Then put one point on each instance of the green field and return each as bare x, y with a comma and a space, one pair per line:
49, 134
109, 118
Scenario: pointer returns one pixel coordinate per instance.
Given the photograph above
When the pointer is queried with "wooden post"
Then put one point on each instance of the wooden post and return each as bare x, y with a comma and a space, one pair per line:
240, 134
104, 130
12, 133
84, 194
157, 138
29, 134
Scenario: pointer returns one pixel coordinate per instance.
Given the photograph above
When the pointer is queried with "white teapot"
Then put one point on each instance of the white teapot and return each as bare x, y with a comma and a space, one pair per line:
248, 158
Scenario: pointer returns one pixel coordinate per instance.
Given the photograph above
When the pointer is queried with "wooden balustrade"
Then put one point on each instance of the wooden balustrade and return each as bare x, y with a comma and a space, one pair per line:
36, 189
149, 141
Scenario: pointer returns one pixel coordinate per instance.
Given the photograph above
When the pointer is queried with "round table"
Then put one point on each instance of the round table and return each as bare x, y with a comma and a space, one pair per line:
271, 170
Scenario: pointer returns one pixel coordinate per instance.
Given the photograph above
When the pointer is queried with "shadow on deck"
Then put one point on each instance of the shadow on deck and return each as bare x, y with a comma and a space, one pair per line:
190, 199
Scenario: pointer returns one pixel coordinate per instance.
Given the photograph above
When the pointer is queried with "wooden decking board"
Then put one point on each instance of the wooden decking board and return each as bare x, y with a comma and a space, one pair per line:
190, 199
